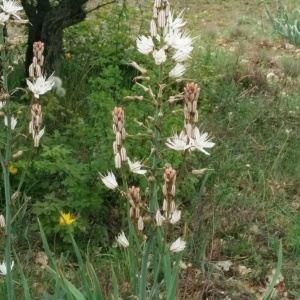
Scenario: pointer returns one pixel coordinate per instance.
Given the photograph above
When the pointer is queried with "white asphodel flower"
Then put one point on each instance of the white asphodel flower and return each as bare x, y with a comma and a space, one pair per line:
159, 56
177, 71
159, 218
41, 85
178, 40
3, 267
3, 18
178, 143
145, 44
135, 167
177, 23
109, 180
11, 7
176, 216
178, 245
122, 240
201, 141
13, 122
181, 56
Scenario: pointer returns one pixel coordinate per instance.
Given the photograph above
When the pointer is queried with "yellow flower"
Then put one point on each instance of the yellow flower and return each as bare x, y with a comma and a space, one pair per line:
65, 219
68, 56
19, 112
13, 170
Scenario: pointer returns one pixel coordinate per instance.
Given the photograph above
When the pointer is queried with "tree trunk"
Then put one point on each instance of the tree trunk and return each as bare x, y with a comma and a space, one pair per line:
47, 23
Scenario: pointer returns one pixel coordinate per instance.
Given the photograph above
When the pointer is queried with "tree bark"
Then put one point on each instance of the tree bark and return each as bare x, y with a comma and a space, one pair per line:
47, 22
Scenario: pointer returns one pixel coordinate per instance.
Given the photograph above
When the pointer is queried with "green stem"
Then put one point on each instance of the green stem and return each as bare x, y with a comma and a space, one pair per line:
5, 169
143, 282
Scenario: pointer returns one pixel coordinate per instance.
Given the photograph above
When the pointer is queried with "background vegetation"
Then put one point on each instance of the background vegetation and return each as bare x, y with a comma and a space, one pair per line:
237, 213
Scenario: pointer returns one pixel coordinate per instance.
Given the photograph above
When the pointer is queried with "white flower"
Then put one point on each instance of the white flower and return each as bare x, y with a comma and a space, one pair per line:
135, 167
181, 56
13, 122
3, 18
177, 71
122, 240
3, 267
109, 180
177, 23
176, 215
37, 137
41, 85
10, 7
144, 44
159, 56
201, 141
159, 218
178, 245
178, 40
178, 143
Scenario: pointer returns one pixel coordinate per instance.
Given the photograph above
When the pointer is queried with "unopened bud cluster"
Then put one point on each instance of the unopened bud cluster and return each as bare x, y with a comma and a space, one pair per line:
35, 69
191, 95
161, 11
169, 184
119, 131
134, 200
170, 212
35, 123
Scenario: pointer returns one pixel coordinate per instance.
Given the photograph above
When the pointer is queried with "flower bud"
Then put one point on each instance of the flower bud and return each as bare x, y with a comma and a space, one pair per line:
15, 195
151, 179
2, 221
140, 224
162, 19
123, 154
118, 161
147, 220
157, 3
160, 115
153, 29
18, 154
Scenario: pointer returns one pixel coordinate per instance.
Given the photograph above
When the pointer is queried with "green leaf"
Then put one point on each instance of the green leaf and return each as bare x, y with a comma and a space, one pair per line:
115, 283
276, 275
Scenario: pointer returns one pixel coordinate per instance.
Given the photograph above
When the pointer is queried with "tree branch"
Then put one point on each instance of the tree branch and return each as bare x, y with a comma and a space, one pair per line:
87, 11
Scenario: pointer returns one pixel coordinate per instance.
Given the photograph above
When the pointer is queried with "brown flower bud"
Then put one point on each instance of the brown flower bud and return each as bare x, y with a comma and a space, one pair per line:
147, 220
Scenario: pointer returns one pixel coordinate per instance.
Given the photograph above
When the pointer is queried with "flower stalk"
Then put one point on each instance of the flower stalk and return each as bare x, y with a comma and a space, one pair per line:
168, 47
5, 170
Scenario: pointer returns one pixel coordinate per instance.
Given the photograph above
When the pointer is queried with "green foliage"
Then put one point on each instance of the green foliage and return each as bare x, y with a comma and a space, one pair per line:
62, 286
65, 169
285, 23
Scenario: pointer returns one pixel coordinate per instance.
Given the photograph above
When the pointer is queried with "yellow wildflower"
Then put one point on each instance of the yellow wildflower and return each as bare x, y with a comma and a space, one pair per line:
13, 170
65, 219
19, 112
68, 56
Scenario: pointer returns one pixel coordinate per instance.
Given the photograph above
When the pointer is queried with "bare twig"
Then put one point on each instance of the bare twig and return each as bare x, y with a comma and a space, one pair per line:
99, 6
